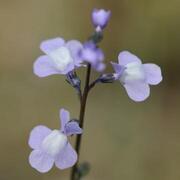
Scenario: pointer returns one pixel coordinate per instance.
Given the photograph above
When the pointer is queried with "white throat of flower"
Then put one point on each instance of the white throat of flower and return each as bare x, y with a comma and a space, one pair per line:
54, 143
133, 71
61, 57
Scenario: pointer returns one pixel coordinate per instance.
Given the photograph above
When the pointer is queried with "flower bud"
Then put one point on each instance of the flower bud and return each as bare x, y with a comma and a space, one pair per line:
100, 18
107, 78
73, 79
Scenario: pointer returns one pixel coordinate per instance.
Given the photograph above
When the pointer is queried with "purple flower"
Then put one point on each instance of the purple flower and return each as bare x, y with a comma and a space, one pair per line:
61, 57
93, 55
135, 76
52, 146
100, 18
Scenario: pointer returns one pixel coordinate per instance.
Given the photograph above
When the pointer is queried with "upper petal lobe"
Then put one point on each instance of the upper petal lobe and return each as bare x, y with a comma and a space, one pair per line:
37, 135
75, 47
65, 117
72, 127
126, 57
52, 44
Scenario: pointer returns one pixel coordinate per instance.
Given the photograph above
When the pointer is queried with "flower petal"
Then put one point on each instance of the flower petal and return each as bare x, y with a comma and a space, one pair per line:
40, 161
100, 55
126, 57
72, 127
89, 55
37, 135
153, 73
75, 47
44, 66
49, 45
117, 68
137, 90
99, 67
65, 117
67, 158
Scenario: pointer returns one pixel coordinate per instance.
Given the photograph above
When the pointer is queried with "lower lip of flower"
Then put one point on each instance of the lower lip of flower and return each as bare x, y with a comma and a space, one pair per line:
54, 143
61, 58
133, 71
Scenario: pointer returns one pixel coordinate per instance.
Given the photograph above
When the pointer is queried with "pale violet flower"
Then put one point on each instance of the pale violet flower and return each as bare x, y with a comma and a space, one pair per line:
61, 57
52, 146
100, 18
135, 76
93, 55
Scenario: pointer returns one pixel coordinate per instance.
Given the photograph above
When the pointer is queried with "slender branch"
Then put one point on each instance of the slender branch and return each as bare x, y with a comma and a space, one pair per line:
103, 78
93, 84
81, 119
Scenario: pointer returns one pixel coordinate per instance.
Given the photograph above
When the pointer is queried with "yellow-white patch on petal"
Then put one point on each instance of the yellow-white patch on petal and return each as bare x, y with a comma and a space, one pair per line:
61, 57
54, 143
133, 71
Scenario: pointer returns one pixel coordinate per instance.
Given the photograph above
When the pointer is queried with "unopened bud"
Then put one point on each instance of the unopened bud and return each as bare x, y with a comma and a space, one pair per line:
107, 78
73, 79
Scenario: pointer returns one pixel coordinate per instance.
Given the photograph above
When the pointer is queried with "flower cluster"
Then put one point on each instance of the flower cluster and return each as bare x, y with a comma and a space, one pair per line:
65, 57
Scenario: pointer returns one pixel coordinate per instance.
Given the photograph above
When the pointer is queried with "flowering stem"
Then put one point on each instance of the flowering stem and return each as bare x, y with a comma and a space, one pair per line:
74, 172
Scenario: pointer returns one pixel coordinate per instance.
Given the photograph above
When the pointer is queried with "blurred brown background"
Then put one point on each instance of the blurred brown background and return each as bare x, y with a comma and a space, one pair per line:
122, 139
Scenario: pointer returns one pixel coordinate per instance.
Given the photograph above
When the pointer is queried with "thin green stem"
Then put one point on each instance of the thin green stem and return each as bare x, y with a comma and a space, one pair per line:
74, 172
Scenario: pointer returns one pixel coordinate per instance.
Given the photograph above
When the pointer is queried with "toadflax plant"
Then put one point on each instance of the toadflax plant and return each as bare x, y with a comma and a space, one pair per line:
62, 57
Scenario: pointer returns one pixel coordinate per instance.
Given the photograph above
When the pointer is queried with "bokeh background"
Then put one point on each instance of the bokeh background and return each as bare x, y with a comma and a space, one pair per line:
122, 139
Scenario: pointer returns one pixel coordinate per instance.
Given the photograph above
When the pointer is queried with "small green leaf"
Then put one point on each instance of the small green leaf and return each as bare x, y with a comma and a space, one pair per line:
83, 170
